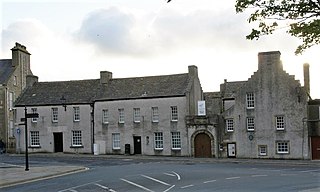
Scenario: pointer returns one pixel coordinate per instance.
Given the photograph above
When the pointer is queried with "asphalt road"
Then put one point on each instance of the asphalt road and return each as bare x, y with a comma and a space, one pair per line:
126, 174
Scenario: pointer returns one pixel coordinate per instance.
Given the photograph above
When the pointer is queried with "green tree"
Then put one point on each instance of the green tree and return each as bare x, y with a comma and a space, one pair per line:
299, 17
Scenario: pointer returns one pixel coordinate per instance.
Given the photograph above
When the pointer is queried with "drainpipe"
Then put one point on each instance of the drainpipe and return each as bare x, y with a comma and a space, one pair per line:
92, 127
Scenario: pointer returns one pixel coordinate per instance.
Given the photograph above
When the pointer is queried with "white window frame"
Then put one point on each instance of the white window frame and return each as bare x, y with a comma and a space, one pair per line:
10, 100
263, 150
54, 114
116, 141
283, 147
34, 119
158, 141
76, 114
136, 115
121, 115
15, 80
105, 116
250, 100
175, 140
11, 128
76, 138
155, 114
229, 125
280, 123
174, 113
34, 138
250, 124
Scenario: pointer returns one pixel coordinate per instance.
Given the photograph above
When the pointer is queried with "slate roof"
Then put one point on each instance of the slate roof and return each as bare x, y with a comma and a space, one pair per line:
143, 87
6, 70
87, 91
50, 93
231, 88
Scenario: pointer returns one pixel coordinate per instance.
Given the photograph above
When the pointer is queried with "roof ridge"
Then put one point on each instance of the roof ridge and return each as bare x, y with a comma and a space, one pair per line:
150, 76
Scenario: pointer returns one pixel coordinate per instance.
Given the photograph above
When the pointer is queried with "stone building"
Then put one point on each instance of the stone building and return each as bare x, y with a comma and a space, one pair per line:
314, 127
13, 80
263, 117
65, 116
140, 115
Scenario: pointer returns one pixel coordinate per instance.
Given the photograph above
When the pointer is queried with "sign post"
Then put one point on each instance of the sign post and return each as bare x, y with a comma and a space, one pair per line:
26, 116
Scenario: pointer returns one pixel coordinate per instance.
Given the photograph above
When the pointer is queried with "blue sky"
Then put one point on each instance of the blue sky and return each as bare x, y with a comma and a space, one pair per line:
76, 39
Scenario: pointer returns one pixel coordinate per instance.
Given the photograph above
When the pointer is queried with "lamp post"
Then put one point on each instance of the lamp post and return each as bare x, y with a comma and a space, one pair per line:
26, 138
26, 116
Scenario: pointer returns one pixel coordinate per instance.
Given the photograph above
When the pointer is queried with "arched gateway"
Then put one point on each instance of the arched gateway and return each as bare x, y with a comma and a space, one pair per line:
202, 144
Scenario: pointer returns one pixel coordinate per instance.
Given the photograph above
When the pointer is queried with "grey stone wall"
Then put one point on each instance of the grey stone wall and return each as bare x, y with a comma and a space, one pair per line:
146, 128
65, 125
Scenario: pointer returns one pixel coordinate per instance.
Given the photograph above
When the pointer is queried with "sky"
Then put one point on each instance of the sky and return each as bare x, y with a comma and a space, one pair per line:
76, 39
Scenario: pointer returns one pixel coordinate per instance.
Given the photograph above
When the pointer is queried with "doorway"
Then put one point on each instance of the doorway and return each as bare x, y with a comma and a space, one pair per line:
58, 142
315, 145
137, 144
232, 150
202, 146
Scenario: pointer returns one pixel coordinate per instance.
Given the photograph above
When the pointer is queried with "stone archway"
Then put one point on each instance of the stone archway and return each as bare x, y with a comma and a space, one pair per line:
203, 144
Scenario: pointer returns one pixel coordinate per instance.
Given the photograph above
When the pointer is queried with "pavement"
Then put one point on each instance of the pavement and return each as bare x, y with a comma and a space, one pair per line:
13, 175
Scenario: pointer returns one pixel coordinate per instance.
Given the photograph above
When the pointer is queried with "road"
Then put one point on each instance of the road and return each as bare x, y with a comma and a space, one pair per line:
134, 174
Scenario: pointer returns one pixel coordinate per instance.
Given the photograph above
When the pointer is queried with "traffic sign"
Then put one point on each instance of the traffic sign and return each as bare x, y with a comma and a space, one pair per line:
32, 115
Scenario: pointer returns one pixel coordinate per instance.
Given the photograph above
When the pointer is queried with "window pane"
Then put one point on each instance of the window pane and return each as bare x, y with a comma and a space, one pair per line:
174, 113
76, 114
115, 140
155, 114
250, 124
250, 100
121, 115
54, 115
105, 116
282, 147
158, 140
229, 125
176, 140
34, 138
136, 115
76, 138
262, 150
280, 123
34, 110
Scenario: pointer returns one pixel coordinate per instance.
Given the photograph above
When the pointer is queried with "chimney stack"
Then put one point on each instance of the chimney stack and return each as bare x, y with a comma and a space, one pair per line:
306, 77
31, 80
193, 70
105, 77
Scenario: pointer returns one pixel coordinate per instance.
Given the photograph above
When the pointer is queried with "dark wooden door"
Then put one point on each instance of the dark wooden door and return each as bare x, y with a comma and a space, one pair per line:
58, 142
202, 145
137, 144
315, 145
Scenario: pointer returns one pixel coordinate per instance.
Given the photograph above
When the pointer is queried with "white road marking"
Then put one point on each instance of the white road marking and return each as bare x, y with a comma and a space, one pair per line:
169, 188
72, 188
101, 186
288, 174
176, 175
229, 178
156, 180
211, 181
137, 185
308, 171
169, 174
259, 175
187, 186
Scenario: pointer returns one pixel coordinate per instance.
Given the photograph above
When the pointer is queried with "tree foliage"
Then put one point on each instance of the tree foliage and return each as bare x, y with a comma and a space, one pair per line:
301, 18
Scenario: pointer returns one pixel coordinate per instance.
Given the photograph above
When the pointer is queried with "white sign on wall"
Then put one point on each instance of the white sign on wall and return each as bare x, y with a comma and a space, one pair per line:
201, 108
